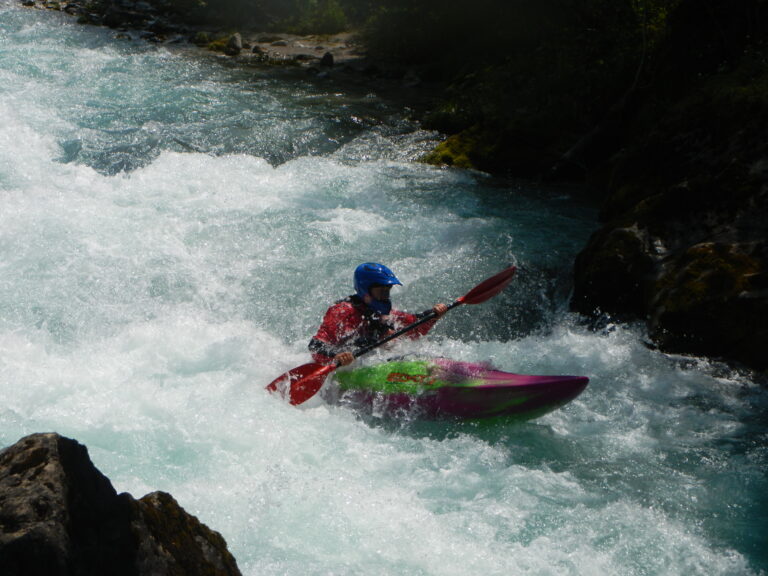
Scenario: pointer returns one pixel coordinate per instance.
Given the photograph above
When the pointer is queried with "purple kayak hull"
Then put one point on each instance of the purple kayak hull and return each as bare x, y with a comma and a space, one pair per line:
445, 389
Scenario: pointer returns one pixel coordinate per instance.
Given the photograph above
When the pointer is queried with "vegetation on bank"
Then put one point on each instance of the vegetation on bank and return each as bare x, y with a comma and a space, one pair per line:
526, 80
532, 87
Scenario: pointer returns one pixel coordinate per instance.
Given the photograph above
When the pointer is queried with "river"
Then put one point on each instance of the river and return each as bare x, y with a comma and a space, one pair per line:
172, 230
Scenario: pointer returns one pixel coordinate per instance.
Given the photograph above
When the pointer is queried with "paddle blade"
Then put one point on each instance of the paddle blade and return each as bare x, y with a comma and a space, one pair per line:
301, 383
489, 288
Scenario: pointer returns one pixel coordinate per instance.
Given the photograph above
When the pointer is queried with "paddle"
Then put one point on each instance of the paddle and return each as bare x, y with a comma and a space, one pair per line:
303, 382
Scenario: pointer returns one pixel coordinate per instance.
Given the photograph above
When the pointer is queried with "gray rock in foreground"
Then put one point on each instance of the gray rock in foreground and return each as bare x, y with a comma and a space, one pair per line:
60, 516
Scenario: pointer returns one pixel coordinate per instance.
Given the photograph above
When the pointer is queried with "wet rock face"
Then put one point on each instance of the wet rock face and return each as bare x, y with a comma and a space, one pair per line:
60, 516
705, 297
712, 300
684, 242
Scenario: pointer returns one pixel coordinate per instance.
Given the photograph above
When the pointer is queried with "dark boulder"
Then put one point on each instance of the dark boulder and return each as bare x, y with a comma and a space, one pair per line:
60, 516
234, 45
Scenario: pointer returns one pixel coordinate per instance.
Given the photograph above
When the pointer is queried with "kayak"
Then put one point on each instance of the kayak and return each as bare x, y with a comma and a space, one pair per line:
439, 388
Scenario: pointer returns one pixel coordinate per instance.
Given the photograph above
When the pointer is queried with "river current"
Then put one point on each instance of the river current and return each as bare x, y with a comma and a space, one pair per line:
171, 231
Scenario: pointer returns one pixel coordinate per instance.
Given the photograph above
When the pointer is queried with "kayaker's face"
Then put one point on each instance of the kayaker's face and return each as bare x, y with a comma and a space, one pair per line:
380, 293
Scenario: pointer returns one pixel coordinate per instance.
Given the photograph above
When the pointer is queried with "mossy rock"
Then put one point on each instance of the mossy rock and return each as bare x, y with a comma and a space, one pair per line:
218, 45
477, 148
706, 272
708, 302
493, 148
456, 151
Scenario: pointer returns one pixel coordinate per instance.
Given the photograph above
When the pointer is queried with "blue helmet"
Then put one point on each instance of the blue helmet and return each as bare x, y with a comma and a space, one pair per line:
373, 274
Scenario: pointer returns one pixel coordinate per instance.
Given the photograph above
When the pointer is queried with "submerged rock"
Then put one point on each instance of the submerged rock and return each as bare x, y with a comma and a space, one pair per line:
60, 516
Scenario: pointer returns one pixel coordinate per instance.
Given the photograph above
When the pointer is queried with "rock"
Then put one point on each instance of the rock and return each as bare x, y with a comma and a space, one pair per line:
614, 273
234, 45
455, 151
693, 265
60, 516
327, 60
684, 242
712, 299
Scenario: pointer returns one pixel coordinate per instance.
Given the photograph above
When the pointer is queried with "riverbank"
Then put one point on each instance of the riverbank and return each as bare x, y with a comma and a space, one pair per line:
340, 57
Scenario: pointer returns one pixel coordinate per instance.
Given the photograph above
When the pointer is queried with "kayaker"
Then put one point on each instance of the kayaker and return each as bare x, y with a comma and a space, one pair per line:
365, 317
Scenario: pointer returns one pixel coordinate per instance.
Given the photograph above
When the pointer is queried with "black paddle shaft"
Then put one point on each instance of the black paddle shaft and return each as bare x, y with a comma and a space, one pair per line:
479, 294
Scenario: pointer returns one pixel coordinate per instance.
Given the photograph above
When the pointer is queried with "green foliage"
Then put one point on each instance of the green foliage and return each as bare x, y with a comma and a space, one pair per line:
652, 18
217, 12
570, 58
544, 71
317, 17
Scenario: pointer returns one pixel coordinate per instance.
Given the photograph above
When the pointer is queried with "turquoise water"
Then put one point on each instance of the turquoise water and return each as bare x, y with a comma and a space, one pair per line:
171, 232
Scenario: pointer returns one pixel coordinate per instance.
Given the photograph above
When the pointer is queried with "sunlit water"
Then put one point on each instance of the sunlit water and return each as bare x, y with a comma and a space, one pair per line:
171, 232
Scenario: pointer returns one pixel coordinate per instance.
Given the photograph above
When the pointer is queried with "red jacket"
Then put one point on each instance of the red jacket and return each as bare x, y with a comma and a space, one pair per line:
350, 324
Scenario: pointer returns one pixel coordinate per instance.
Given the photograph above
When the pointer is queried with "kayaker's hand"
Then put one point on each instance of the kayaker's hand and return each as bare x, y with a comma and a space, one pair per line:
343, 358
439, 309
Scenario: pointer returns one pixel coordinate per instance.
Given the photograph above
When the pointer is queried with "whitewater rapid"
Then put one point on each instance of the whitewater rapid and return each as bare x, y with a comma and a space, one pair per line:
171, 232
